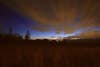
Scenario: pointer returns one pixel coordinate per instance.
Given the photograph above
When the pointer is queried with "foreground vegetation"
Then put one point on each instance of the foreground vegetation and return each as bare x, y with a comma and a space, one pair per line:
46, 53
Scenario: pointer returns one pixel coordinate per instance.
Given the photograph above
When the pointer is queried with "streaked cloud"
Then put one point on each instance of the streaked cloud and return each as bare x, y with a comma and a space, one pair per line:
60, 15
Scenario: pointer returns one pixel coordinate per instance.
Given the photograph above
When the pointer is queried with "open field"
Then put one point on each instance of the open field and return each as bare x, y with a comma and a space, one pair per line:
49, 54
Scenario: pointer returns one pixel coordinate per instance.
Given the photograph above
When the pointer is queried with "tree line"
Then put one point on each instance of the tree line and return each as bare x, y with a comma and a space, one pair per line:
14, 36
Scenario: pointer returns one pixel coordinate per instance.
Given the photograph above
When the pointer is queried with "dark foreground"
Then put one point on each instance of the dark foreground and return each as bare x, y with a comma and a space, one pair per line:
25, 53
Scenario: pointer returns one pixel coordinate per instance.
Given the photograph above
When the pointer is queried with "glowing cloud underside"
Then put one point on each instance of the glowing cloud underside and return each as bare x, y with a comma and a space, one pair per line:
67, 16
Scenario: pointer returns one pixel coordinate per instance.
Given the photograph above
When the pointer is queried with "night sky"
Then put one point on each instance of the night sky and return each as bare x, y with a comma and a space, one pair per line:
51, 18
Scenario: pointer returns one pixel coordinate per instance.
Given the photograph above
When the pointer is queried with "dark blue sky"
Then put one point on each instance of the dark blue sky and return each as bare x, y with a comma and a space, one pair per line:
10, 18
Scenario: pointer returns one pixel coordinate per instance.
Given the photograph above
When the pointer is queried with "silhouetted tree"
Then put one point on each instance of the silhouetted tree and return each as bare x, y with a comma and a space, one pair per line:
27, 35
0, 29
10, 31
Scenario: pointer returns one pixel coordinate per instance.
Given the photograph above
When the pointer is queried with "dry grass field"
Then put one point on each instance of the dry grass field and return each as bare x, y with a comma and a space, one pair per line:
48, 54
